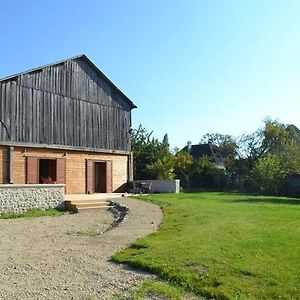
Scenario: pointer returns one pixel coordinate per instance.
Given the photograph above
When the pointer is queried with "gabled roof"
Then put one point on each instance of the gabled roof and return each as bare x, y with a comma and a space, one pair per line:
83, 57
213, 152
203, 150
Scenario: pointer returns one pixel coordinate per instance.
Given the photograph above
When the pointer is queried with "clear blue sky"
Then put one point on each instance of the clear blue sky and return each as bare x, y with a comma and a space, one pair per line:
191, 67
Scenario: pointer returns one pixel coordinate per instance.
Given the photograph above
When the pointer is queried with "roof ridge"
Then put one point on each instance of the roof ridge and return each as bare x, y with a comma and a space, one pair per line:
41, 67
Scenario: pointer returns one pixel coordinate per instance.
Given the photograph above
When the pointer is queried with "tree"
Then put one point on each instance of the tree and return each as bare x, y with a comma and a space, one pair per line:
163, 168
206, 174
184, 167
225, 142
274, 146
268, 174
150, 156
228, 145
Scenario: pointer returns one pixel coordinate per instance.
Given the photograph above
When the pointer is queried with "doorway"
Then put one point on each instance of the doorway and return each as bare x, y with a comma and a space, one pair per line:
100, 177
47, 171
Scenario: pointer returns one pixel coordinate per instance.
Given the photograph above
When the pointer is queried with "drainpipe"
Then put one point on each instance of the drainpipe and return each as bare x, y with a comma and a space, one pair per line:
130, 166
130, 157
10, 164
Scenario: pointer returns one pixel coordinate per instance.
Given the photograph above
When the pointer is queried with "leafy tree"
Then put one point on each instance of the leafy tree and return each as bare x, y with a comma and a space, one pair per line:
268, 174
165, 143
184, 167
149, 155
275, 144
206, 174
163, 168
229, 147
225, 142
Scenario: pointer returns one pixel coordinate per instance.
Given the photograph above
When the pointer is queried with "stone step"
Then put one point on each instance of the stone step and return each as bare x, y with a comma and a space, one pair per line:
96, 196
91, 209
88, 202
79, 202
83, 205
80, 205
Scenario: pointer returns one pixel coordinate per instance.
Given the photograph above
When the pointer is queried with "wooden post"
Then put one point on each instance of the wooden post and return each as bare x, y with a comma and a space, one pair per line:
90, 176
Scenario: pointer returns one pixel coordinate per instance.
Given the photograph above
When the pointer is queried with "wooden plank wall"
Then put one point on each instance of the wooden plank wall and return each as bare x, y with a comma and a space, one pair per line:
65, 104
75, 163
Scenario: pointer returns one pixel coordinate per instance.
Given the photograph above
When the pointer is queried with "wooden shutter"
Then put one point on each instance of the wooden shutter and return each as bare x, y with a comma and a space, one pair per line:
108, 177
32, 170
61, 170
90, 177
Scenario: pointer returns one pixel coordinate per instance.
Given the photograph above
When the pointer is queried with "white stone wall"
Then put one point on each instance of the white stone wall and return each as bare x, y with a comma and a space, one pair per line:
161, 186
22, 197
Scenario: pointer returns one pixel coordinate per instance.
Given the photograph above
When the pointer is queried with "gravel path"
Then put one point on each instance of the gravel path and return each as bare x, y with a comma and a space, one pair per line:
67, 257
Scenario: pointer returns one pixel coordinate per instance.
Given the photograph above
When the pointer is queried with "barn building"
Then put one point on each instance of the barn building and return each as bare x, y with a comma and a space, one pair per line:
65, 123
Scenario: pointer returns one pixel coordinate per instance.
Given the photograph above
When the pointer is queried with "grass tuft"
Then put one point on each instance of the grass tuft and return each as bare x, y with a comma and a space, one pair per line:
33, 213
153, 289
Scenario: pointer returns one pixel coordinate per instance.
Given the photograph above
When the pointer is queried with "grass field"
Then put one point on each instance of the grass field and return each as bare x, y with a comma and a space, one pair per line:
224, 246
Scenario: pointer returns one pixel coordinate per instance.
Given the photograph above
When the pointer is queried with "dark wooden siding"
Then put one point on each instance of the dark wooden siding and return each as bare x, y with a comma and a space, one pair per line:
74, 79
65, 104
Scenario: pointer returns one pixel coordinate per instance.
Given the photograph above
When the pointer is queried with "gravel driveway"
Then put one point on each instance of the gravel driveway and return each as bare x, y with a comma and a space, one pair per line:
67, 257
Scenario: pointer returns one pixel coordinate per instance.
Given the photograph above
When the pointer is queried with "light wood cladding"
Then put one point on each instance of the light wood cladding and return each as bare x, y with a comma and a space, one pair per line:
75, 166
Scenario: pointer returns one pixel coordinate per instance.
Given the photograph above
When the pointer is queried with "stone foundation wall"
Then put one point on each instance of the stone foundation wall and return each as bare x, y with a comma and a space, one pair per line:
22, 197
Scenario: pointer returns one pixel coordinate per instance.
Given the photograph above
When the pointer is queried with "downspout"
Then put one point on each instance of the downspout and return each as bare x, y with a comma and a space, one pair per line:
130, 158
10, 164
130, 166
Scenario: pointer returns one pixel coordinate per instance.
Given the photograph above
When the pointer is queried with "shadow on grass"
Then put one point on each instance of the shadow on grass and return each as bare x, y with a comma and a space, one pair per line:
268, 200
199, 191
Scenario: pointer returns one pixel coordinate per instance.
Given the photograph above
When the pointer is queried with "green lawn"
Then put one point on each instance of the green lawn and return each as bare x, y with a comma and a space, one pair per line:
224, 246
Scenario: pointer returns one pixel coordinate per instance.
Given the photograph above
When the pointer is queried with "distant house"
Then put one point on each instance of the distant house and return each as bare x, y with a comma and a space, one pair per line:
65, 123
213, 152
